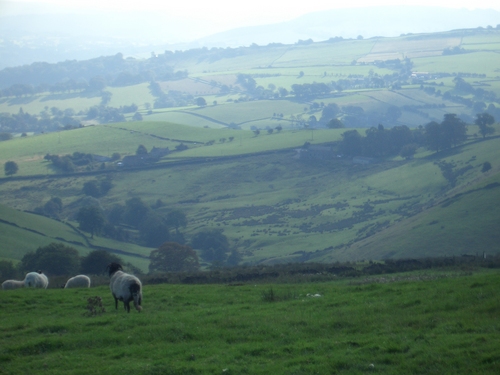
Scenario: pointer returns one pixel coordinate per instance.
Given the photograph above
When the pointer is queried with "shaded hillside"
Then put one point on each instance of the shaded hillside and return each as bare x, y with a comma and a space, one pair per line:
275, 207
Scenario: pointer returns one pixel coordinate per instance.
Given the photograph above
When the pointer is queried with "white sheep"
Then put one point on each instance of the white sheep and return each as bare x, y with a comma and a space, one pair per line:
12, 284
36, 280
125, 287
79, 281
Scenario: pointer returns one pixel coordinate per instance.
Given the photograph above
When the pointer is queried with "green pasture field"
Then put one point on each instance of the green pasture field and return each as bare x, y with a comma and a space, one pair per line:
22, 232
488, 41
415, 323
184, 117
410, 45
250, 111
478, 62
104, 140
246, 142
36, 104
325, 54
136, 94
438, 231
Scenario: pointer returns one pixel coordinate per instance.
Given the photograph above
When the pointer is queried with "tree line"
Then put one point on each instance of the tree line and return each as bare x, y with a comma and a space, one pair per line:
400, 140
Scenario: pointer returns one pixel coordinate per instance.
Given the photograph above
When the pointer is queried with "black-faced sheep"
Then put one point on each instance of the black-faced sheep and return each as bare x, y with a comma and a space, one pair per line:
79, 281
125, 287
36, 280
12, 284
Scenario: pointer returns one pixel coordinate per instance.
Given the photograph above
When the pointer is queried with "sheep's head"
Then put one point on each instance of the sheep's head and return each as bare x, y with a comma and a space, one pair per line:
113, 267
139, 308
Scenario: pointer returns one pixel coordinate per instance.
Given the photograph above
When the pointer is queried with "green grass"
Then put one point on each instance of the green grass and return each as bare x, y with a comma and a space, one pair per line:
274, 208
411, 324
483, 62
22, 232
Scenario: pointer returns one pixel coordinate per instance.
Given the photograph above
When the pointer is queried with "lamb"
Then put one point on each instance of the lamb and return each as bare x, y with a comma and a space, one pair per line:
79, 281
36, 280
12, 284
125, 287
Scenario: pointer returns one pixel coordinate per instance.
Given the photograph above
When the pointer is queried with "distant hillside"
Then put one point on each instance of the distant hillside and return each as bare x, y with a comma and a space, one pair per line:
55, 34
368, 22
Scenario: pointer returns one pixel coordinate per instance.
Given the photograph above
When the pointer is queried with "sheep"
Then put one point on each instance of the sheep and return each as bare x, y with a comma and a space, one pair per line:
12, 284
79, 281
125, 287
36, 280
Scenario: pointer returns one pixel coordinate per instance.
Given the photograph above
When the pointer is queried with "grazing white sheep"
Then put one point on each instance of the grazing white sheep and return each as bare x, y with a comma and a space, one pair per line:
36, 280
12, 284
125, 287
79, 281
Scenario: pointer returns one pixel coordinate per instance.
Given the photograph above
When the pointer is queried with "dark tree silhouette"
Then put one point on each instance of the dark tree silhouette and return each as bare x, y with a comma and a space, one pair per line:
10, 168
53, 259
483, 120
91, 219
173, 257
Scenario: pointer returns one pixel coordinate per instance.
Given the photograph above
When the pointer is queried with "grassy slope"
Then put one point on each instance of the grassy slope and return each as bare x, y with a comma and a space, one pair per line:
22, 232
275, 208
421, 324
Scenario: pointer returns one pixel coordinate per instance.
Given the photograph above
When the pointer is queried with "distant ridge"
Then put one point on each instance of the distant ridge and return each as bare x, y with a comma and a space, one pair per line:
368, 22
56, 35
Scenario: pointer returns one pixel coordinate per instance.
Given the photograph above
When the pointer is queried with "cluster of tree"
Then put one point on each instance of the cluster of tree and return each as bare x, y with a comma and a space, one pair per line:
58, 259
105, 114
70, 162
457, 50
97, 188
170, 99
400, 140
55, 119
23, 122
135, 221
379, 142
90, 75
52, 208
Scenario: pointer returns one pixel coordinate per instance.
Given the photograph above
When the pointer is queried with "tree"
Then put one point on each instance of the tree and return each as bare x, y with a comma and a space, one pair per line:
351, 143
135, 212
201, 102
92, 189
483, 120
10, 168
335, 123
486, 166
153, 230
176, 219
213, 244
329, 113
53, 207
141, 150
7, 270
137, 117
53, 259
91, 219
173, 257
454, 129
96, 261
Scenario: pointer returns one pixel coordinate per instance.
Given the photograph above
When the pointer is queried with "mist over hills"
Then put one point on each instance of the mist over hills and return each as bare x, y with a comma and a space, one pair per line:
368, 22
57, 34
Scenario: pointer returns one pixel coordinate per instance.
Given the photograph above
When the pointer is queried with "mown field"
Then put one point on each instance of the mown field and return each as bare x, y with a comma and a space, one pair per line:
414, 323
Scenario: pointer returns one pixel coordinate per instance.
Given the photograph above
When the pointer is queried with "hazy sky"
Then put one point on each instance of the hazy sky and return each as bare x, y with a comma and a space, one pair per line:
231, 13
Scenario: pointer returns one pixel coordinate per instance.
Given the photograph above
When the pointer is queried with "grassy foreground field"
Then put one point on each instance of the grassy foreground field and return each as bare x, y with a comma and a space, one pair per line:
440, 322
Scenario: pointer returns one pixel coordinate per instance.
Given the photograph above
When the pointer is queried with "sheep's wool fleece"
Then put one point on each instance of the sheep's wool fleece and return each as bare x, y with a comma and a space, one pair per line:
120, 282
36, 280
12, 284
80, 281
